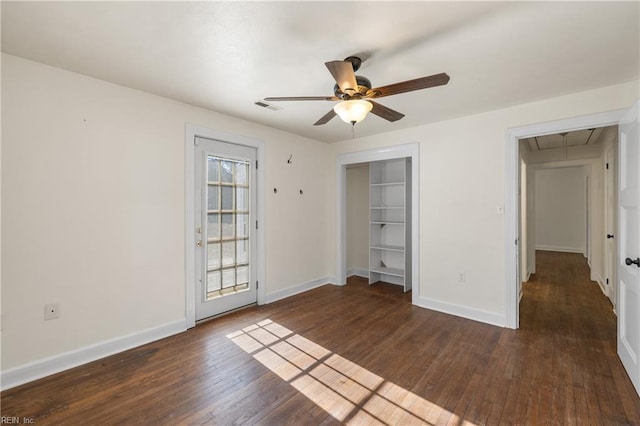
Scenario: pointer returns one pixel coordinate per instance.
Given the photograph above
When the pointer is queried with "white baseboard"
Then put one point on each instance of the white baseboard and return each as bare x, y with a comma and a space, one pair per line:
299, 288
561, 249
364, 273
64, 361
603, 287
520, 294
462, 311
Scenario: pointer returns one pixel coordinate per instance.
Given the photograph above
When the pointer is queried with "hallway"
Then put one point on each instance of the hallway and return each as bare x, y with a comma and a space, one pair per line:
572, 349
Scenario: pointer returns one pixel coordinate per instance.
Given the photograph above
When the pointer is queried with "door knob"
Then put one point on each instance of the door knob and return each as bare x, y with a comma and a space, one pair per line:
609, 235
199, 243
629, 262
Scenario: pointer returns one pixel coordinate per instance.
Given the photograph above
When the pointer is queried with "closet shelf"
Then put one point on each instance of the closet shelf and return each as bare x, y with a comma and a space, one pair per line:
389, 271
390, 204
387, 247
388, 184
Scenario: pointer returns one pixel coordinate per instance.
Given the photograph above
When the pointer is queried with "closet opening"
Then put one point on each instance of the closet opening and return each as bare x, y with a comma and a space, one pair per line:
378, 218
379, 222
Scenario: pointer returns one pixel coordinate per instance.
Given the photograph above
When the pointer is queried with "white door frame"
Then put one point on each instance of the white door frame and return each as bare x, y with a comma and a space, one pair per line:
191, 132
412, 151
512, 164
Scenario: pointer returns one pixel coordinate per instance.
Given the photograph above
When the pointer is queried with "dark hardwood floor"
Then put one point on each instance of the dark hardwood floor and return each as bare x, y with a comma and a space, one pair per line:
362, 354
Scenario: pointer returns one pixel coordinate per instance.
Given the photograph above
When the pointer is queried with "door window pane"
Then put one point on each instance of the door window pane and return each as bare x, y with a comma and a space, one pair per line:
227, 198
242, 175
228, 253
227, 225
213, 256
242, 251
228, 278
242, 225
213, 281
242, 199
212, 197
213, 169
213, 226
242, 275
227, 171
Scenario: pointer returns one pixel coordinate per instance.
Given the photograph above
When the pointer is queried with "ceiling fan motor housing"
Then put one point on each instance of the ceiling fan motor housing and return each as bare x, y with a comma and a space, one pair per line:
364, 85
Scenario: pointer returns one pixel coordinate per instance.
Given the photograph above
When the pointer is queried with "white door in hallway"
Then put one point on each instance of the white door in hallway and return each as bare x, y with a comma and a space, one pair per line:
628, 262
610, 224
225, 227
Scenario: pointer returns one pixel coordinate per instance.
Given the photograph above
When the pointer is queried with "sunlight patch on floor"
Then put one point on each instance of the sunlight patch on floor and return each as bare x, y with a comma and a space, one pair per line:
347, 391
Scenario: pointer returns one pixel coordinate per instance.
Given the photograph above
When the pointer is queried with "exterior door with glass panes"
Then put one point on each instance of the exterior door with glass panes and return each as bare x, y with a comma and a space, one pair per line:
225, 227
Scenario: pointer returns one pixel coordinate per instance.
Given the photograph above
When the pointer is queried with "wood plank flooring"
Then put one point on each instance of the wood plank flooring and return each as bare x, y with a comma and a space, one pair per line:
362, 354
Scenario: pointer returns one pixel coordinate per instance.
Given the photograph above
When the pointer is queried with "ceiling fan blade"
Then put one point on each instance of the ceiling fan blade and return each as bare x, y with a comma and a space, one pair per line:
325, 118
410, 85
342, 72
302, 98
384, 112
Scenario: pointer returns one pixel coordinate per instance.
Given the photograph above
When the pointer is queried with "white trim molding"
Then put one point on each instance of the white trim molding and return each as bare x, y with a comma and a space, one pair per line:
491, 318
297, 289
411, 150
358, 272
579, 250
512, 216
191, 132
64, 361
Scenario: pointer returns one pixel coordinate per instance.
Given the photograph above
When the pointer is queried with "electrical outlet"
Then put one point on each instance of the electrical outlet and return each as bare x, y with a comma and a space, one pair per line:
462, 277
51, 311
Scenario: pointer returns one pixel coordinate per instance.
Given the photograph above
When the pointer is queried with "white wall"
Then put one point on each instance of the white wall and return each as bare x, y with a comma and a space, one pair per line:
560, 213
93, 209
358, 220
462, 183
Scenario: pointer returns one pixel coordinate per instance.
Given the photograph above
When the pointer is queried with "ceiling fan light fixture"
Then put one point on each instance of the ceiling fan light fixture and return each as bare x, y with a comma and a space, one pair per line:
353, 111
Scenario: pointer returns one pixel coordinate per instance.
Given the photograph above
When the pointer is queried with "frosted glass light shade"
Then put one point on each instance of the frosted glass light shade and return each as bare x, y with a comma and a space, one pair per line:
353, 111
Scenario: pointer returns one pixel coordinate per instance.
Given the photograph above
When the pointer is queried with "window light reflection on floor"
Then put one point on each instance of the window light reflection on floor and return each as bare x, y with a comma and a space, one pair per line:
345, 390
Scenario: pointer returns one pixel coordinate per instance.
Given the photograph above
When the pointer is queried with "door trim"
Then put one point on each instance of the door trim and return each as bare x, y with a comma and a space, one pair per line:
512, 216
412, 151
191, 132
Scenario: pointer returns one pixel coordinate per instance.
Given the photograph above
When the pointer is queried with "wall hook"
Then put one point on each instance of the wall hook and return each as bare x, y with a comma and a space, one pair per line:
275, 190
301, 192
290, 160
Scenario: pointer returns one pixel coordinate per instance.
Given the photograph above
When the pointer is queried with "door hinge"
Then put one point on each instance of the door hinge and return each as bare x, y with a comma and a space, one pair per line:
607, 166
516, 242
256, 224
607, 280
256, 164
257, 285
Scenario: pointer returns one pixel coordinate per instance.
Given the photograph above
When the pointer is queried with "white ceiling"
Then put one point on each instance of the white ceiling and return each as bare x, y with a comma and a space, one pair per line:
224, 56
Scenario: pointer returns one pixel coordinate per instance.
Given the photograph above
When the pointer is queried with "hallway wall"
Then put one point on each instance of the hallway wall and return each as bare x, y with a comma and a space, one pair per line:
560, 210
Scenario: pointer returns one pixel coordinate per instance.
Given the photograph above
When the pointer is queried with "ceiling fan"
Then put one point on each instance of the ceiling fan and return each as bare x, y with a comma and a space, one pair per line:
357, 96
